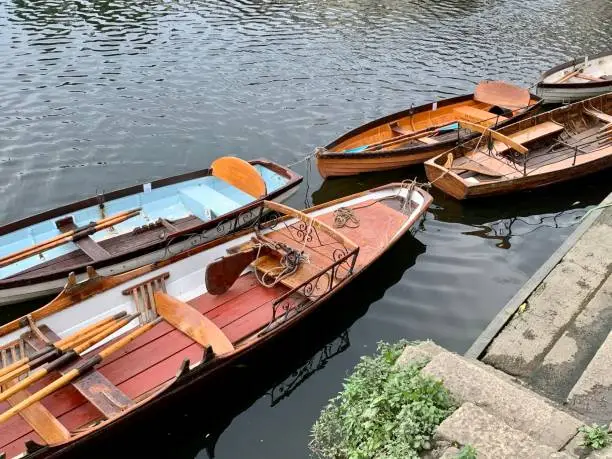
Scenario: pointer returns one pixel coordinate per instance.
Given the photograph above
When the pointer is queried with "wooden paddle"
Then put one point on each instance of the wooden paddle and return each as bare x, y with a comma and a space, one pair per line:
221, 274
192, 322
77, 371
60, 344
88, 339
69, 236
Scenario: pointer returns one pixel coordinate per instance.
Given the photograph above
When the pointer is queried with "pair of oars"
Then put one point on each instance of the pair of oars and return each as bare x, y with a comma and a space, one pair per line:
53, 350
69, 236
67, 356
77, 371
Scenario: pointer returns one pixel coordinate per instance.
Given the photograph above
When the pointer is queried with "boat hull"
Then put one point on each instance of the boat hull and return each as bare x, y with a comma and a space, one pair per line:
340, 165
452, 184
568, 93
519, 175
576, 90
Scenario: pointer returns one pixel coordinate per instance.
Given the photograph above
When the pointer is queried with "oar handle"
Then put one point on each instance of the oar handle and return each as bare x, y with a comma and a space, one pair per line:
105, 332
73, 339
77, 371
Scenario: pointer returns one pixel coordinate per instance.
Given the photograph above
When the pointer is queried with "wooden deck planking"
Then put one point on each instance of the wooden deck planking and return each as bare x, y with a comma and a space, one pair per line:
378, 225
17, 446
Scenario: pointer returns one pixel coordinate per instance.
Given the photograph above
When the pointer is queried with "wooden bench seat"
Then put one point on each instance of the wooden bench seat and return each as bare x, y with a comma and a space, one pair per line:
539, 131
601, 116
479, 116
397, 129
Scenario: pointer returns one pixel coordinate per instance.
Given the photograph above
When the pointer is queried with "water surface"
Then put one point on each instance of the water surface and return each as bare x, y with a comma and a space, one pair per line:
100, 94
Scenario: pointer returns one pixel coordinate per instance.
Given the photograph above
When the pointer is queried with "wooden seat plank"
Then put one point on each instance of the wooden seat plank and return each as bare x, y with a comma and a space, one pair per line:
539, 131
428, 140
601, 116
90, 247
50, 429
479, 116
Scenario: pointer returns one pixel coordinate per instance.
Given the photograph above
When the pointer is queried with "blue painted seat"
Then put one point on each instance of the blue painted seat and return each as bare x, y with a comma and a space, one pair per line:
202, 196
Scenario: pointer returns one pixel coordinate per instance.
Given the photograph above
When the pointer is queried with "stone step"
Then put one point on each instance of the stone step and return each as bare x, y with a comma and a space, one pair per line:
518, 407
592, 394
523, 343
491, 436
570, 355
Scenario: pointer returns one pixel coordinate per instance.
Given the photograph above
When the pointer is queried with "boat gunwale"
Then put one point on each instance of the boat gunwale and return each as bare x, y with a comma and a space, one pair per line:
573, 63
327, 153
15, 281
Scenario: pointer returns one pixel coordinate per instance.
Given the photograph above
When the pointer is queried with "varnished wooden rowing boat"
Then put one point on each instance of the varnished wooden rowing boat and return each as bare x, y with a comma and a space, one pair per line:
577, 79
170, 331
412, 136
553, 147
135, 226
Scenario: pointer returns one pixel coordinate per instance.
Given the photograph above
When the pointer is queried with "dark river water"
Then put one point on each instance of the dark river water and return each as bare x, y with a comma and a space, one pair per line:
100, 94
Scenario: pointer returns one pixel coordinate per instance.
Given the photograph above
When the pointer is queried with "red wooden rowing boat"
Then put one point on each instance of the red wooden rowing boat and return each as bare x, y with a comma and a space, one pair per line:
165, 326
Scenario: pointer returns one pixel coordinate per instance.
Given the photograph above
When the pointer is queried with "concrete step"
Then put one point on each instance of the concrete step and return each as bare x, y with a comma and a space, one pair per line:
491, 436
524, 342
518, 407
592, 394
570, 355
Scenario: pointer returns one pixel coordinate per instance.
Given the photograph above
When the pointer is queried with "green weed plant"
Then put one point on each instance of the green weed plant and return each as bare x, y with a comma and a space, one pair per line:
383, 411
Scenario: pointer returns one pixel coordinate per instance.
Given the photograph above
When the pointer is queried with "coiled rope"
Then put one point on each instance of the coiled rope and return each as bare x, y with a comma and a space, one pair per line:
289, 262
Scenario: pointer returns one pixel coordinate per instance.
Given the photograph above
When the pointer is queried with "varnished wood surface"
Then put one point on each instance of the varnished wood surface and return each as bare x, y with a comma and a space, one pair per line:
568, 143
240, 174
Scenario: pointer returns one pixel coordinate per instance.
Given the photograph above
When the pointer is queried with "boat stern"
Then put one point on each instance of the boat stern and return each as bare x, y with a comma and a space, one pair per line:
445, 179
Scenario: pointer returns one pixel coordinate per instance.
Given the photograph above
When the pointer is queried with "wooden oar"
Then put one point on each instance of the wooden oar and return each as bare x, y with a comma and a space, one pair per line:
61, 344
64, 359
44, 357
397, 140
69, 236
221, 274
192, 322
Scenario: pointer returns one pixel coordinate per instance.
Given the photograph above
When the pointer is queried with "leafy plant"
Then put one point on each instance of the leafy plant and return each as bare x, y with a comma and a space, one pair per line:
595, 436
383, 411
467, 452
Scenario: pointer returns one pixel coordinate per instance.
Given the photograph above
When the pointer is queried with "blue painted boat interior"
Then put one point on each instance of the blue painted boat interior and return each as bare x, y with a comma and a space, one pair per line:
205, 197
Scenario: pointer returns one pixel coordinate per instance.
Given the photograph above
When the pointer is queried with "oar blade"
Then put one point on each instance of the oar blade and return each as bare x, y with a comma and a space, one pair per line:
191, 322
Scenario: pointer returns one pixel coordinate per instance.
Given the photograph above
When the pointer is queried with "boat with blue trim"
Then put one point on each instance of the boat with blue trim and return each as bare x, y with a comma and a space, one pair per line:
128, 228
